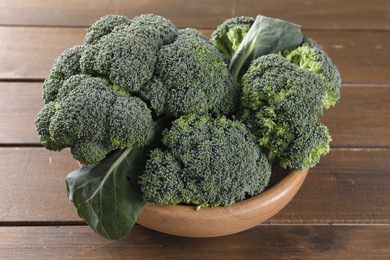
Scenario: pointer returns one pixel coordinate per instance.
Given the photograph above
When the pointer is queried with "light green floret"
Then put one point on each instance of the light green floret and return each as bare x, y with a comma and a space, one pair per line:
205, 162
311, 56
228, 36
281, 103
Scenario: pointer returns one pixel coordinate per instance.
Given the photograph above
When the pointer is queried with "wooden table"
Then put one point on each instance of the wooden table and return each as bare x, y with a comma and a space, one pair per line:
343, 209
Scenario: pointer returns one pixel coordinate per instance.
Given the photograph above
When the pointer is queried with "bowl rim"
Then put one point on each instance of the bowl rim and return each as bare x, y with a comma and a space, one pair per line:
251, 211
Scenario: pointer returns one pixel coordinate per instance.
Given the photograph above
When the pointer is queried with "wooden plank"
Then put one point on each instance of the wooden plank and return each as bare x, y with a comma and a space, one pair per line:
265, 242
19, 105
361, 118
29, 52
33, 185
348, 186
312, 14
361, 57
351, 123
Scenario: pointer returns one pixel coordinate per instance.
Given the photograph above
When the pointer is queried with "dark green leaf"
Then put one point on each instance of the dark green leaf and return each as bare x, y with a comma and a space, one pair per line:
266, 35
106, 194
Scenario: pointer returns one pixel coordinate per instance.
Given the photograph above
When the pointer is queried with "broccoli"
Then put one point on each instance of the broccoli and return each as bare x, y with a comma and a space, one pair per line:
281, 103
104, 26
92, 119
228, 36
42, 123
304, 52
311, 144
205, 162
135, 70
310, 56
176, 71
176, 118
191, 77
127, 55
66, 65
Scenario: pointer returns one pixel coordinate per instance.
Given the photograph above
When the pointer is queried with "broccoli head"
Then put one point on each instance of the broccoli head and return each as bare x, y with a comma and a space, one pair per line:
311, 144
191, 77
129, 65
228, 36
205, 162
42, 123
93, 120
127, 55
175, 71
281, 103
104, 26
66, 65
310, 56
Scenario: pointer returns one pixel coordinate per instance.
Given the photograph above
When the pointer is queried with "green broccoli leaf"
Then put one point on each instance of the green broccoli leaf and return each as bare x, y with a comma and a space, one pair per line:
106, 194
266, 35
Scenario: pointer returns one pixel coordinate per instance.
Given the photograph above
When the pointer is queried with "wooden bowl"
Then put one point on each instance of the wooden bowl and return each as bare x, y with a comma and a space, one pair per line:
219, 221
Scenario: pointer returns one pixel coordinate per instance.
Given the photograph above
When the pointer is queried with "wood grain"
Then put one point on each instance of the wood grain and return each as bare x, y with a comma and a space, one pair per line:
313, 14
349, 186
261, 242
351, 123
19, 105
33, 185
361, 118
29, 52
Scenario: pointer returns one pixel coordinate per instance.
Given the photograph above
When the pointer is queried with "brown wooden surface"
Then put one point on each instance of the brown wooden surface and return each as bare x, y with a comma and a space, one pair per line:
341, 212
29, 52
317, 14
25, 101
261, 242
362, 118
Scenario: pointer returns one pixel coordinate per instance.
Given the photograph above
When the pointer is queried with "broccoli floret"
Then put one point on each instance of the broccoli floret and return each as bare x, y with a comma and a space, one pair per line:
127, 55
104, 26
281, 103
160, 29
228, 36
94, 120
66, 65
162, 183
191, 77
205, 162
42, 124
122, 61
311, 144
155, 93
310, 56
273, 81
176, 71
70, 84
130, 123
